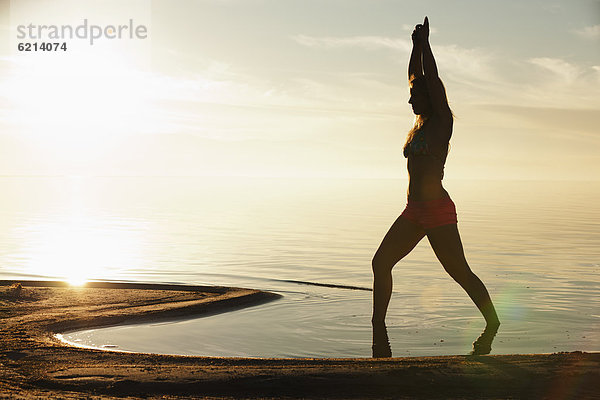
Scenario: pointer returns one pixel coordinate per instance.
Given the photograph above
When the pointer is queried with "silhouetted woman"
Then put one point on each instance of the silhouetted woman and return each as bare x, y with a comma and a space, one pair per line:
430, 211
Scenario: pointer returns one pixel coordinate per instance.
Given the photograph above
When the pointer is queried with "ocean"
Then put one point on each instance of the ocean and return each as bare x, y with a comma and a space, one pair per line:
535, 244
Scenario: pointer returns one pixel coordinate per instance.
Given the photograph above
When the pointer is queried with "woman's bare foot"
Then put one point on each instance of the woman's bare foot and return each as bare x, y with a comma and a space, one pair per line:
483, 344
381, 344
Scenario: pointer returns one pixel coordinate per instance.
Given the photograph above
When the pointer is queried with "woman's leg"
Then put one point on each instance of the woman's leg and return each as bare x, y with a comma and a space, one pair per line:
445, 241
402, 237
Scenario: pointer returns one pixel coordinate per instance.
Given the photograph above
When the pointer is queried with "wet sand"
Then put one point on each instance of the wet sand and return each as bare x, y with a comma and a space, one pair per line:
34, 364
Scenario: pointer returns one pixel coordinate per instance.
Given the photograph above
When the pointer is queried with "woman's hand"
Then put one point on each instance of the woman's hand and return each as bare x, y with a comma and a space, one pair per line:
416, 35
422, 31
415, 66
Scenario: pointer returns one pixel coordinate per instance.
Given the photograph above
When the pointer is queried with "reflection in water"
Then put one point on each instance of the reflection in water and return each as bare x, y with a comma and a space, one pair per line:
78, 247
57, 228
381, 343
483, 344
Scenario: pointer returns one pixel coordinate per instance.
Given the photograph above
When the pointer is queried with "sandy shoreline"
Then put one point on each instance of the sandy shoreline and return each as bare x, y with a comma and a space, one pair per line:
34, 364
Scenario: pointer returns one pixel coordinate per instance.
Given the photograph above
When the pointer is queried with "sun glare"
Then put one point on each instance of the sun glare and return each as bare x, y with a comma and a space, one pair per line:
78, 248
76, 281
76, 106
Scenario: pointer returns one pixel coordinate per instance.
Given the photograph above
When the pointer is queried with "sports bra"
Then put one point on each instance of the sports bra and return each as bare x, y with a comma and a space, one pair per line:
418, 146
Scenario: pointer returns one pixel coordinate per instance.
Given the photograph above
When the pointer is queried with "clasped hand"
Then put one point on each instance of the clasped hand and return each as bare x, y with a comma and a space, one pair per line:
421, 32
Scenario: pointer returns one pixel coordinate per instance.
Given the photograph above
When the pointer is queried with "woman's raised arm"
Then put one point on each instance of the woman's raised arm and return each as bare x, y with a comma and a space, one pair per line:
435, 88
415, 66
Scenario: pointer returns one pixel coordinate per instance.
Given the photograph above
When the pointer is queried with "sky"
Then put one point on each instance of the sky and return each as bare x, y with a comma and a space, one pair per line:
299, 88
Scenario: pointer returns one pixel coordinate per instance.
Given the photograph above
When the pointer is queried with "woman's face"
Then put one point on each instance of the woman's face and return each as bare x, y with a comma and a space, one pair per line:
419, 100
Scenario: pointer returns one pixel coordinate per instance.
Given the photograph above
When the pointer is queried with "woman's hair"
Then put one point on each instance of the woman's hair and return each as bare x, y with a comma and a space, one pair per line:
418, 83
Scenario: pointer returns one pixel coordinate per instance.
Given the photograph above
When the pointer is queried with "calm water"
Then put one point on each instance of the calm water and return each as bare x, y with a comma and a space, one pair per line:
534, 244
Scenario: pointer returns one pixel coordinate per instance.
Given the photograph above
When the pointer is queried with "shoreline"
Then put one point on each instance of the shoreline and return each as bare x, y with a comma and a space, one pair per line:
36, 364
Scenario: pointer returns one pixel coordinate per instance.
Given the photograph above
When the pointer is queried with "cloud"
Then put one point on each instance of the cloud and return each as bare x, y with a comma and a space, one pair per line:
596, 69
364, 42
566, 71
558, 83
476, 75
460, 62
584, 122
463, 62
589, 32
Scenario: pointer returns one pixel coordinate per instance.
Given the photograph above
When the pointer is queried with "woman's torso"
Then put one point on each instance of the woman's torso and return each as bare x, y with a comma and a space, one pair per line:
426, 160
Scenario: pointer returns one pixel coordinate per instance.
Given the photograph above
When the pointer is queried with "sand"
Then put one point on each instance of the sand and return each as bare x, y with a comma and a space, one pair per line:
34, 364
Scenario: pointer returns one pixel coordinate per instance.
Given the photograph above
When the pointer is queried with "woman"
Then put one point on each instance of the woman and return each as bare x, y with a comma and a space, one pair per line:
430, 211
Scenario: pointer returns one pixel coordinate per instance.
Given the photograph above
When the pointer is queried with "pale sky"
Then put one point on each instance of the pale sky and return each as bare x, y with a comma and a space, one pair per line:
300, 88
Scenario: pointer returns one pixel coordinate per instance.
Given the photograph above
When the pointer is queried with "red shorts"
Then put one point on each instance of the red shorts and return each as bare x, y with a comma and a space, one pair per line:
431, 213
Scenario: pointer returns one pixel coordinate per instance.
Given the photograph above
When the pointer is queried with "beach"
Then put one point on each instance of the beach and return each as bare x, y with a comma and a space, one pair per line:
36, 364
